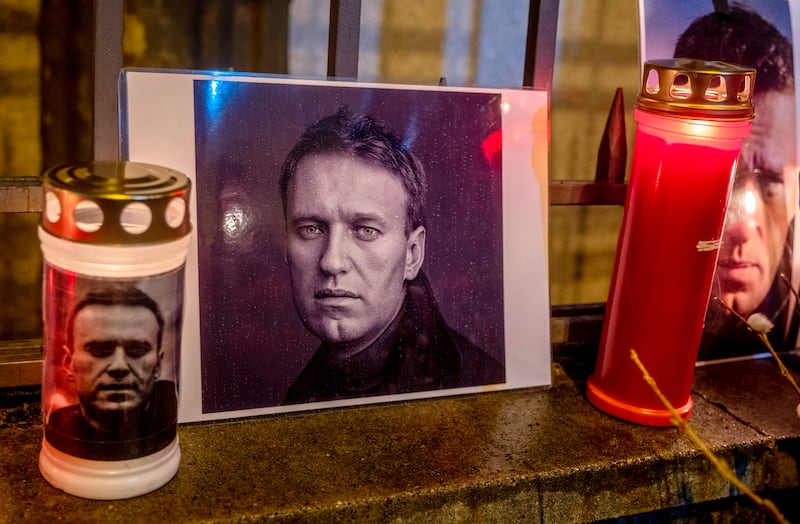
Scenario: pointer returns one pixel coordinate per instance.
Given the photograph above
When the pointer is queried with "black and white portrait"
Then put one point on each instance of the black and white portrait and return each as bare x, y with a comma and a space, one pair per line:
355, 248
110, 383
353, 243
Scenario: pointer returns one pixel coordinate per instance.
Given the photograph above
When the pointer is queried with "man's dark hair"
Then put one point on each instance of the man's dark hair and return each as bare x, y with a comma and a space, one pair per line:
367, 139
741, 36
115, 295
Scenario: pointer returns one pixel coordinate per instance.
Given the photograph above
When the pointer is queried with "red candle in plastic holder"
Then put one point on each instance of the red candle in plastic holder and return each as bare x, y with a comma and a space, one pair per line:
692, 117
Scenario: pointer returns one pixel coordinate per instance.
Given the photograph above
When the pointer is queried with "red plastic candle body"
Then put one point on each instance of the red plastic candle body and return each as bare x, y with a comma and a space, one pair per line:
681, 175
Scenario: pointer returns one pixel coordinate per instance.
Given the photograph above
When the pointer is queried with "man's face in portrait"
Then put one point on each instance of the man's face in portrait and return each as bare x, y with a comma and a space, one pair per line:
348, 248
762, 205
115, 358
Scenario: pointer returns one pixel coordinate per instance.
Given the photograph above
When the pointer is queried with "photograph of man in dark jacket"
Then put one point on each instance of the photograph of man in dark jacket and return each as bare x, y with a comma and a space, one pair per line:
353, 199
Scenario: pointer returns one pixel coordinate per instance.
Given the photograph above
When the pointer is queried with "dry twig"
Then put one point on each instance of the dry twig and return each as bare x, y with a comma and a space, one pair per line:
762, 334
765, 504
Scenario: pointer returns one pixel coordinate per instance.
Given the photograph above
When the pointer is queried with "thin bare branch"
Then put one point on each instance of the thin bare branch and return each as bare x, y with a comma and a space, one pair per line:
763, 336
722, 467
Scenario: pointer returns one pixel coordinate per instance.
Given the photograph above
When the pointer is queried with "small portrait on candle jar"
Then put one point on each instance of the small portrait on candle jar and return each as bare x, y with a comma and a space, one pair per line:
114, 391
756, 266
354, 203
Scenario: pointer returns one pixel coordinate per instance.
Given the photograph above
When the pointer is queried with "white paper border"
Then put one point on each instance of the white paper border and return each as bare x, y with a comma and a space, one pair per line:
157, 126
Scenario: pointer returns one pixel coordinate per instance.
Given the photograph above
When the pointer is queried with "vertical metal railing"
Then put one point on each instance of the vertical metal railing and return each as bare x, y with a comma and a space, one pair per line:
108, 25
343, 38
540, 45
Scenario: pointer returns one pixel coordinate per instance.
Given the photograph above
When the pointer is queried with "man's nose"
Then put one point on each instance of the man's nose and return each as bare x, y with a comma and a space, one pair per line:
741, 220
335, 255
741, 232
118, 366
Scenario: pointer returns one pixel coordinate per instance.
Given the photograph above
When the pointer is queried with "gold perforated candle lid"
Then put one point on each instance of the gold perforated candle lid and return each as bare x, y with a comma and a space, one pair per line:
114, 203
691, 88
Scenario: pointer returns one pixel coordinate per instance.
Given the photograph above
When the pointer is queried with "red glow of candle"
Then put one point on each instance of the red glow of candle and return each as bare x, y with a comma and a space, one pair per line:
681, 176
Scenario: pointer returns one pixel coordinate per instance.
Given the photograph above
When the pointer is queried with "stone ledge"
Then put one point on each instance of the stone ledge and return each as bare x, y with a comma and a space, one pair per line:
519, 456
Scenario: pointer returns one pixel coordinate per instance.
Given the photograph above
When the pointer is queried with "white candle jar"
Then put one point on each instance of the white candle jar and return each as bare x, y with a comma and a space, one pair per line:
114, 238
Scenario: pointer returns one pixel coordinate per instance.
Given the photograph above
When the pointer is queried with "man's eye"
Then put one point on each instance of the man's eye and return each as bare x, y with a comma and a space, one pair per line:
105, 348
100, 348
309, 231
136, 348
771, 184
366, 233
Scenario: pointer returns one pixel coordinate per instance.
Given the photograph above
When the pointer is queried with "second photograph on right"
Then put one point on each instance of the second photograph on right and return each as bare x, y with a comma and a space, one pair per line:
757, 271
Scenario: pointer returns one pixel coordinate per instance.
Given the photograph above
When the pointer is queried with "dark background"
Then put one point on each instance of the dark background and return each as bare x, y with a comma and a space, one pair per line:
252, 343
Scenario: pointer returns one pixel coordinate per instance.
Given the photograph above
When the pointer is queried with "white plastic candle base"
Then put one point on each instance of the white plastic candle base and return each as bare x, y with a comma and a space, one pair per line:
109, 480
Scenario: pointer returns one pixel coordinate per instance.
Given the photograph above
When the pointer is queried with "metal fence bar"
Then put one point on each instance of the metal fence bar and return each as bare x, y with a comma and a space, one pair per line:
21, 194
540, 49
20, 363
574, 193
343, 38
108, 16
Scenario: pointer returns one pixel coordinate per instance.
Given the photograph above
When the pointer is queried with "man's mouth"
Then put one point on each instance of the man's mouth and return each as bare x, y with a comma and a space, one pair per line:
117, 393
118, 385
736, 264
734, 273
334, 293
118, 388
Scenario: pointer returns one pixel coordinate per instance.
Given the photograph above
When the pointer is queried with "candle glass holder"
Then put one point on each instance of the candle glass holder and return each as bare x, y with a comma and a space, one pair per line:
692, 117
114, 236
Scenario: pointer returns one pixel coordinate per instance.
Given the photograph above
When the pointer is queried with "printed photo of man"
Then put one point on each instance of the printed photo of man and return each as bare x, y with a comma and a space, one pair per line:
113, 357
278, 293
354, 204
754, 270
